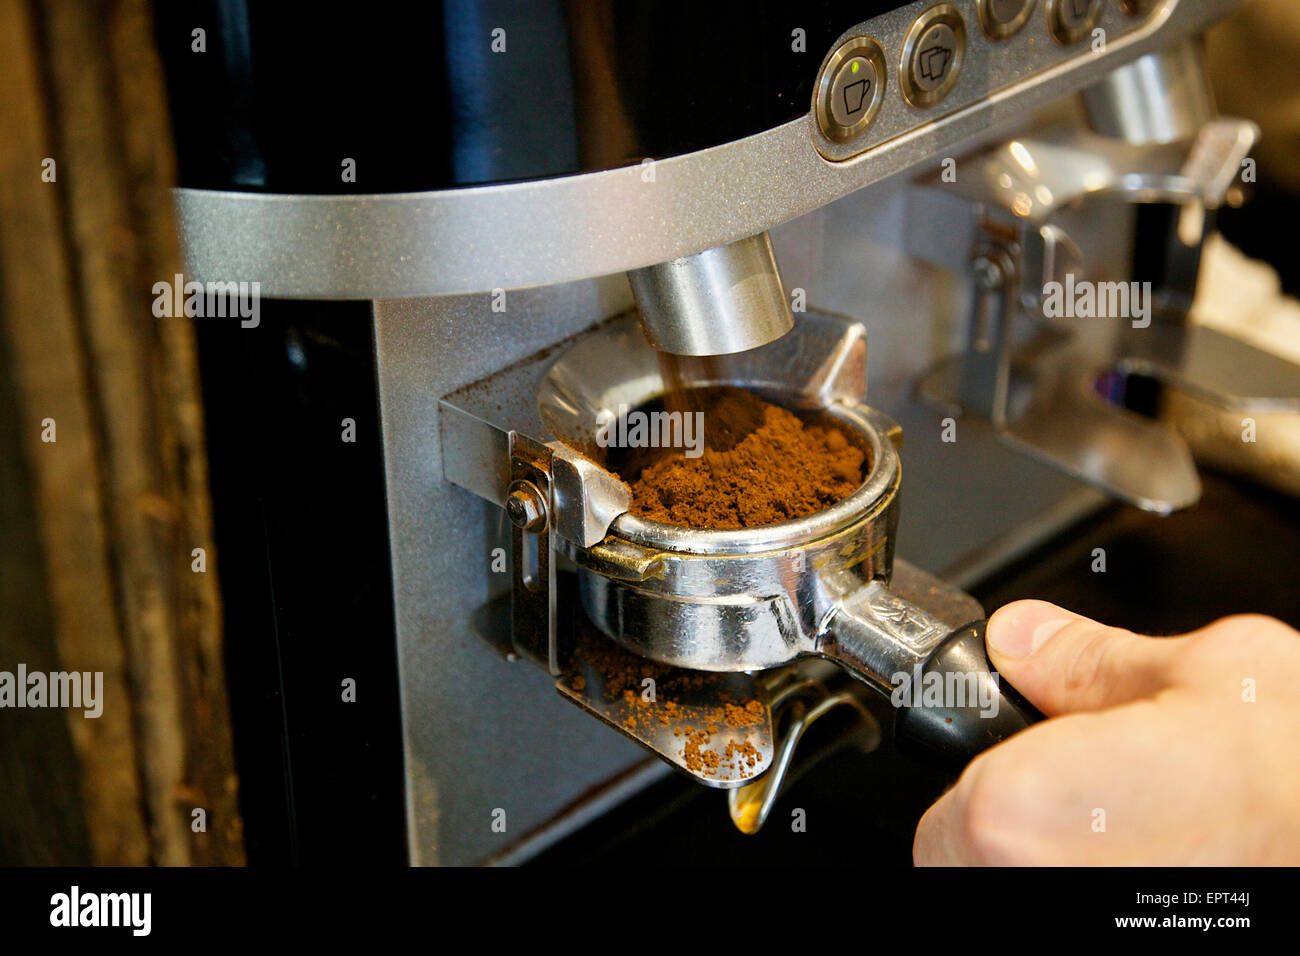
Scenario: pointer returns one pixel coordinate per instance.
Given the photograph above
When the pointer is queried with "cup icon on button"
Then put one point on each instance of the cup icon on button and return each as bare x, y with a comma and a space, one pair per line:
934, 61
855, 95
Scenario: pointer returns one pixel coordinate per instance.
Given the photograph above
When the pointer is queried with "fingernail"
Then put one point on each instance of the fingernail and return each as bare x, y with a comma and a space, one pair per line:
1012, 641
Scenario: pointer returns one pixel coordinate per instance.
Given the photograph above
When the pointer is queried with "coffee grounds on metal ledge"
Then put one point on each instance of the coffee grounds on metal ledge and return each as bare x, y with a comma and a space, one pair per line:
761, 464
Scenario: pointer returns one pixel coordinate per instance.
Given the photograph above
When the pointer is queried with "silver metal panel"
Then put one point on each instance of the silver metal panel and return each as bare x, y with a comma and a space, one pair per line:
532, 233
481, 733
475, 455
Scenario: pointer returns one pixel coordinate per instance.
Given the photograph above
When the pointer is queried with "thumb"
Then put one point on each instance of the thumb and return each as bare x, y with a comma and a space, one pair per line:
1064, 663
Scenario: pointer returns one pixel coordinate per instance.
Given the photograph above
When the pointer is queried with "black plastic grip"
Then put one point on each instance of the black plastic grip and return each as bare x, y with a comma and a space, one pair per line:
948, 736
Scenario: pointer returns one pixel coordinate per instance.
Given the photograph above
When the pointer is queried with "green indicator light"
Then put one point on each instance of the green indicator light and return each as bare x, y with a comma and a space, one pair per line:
854, 67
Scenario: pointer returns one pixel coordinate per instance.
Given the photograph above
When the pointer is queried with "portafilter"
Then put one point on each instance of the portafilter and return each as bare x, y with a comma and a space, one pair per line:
755, 598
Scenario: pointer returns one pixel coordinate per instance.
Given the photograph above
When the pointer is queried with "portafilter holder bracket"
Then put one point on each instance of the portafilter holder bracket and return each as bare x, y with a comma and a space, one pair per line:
721, 601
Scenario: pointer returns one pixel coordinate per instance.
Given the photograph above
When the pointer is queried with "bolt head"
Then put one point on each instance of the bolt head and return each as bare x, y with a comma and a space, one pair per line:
988, 272
525, 506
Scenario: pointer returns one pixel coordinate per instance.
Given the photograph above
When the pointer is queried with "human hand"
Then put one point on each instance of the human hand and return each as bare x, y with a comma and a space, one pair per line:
1182, 750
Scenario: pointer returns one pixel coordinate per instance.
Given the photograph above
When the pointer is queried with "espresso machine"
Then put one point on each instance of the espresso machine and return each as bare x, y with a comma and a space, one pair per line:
475, 227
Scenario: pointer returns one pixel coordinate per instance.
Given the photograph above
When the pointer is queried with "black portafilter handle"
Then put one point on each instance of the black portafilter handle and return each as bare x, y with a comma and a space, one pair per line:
950, 737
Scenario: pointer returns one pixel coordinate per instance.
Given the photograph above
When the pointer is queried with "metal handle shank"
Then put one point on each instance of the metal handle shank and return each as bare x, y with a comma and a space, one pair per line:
921, 651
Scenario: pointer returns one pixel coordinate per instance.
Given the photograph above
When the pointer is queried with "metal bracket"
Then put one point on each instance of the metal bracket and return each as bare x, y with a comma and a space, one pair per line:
529, 505
986, 373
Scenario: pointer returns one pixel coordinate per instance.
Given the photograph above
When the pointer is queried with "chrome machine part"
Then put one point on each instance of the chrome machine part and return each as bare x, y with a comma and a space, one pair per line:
1162, 97
832, 551
750, 599
1014, 238
683, 718
747, 748
716, 302
524, 234
805, 702
759, 598
732, 601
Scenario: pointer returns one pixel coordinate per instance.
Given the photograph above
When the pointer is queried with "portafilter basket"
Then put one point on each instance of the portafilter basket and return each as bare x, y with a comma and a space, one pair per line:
757, 598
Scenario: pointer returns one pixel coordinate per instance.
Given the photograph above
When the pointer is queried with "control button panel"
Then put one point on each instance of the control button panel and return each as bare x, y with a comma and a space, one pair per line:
933, 53
851, 88
1069, 21
1000, 19
927, 61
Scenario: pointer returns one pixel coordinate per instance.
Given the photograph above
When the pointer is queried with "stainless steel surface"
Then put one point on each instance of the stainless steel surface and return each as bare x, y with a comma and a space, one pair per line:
813, 688
533, 609
755, 598
744, 601
614, 366
723, 300
822, 361
480, 733
1213, 367
754, 605
1031, 179
557, 230
1162, 97
1013, 238
986, 368
1062, 420
587, 497
683, 721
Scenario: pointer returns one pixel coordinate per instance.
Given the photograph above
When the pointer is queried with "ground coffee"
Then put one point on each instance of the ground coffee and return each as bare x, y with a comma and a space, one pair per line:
761, 464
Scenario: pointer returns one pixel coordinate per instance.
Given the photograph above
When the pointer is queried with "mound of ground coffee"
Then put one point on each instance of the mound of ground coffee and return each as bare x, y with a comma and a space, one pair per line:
761, 464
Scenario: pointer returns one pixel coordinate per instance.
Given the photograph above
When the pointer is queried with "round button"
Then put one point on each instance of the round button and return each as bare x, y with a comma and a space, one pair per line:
850, 89
932, 55
1070, 20
1000, 19
935, 53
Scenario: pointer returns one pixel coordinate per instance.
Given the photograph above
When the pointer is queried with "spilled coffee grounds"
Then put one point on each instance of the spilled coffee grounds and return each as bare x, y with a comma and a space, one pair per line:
761, 464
